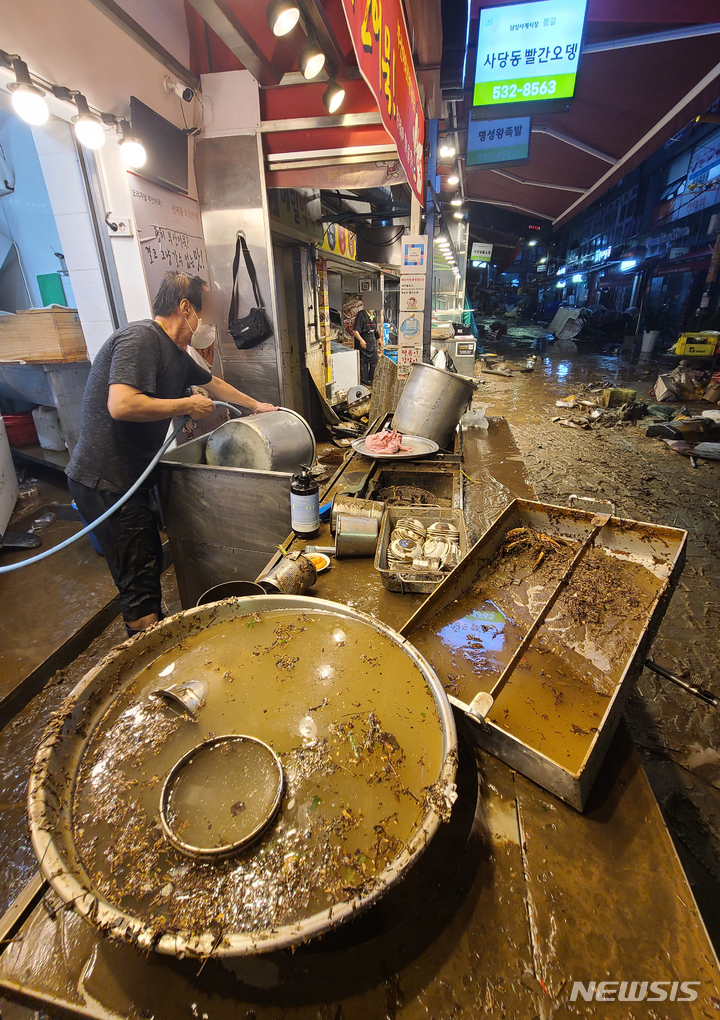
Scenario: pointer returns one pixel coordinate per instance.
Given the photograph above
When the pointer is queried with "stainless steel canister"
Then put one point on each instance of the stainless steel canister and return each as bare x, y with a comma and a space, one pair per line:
292, 575
351, 506
432, 403
356, 536
275, 441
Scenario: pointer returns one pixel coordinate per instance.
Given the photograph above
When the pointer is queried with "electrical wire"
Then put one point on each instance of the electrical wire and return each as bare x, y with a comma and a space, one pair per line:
116, 506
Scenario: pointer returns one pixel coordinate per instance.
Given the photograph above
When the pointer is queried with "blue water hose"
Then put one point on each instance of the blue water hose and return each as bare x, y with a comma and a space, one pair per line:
116, 506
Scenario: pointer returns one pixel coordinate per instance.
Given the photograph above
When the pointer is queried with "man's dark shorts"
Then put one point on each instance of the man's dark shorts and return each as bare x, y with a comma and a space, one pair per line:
130, 541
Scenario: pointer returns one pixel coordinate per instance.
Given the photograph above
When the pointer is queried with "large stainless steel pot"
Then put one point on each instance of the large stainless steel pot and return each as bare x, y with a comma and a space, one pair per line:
275, 441
367, 746
432, 403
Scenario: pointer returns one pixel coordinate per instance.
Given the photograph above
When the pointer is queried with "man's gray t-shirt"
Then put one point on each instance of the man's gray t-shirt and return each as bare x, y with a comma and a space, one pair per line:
114, 453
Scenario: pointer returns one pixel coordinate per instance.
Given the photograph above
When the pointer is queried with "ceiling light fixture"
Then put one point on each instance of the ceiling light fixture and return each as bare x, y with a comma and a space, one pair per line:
333, 97
453, 179
311, 61
88, 127
456, 201
459, 215
28, 100
132, 149
283, 16
447, 151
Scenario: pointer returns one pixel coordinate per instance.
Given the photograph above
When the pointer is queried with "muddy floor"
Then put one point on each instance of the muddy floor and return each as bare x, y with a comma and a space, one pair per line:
676, 735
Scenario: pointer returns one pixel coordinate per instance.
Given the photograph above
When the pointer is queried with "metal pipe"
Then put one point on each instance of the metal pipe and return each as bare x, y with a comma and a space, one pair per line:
539, 184
510, 205
543, 129
699, 692
667, 35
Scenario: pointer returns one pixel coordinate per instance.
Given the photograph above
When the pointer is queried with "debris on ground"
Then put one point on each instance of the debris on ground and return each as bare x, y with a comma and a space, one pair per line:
711, 451
616, 397
683, 383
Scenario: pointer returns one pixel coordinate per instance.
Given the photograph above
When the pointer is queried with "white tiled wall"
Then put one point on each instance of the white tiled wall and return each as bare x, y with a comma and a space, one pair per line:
64, 183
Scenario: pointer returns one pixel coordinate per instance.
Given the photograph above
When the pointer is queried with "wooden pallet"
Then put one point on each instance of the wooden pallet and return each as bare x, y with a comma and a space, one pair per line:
42, 334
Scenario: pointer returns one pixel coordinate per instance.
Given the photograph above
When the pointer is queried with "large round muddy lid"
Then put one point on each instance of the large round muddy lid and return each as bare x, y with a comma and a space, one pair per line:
365, 742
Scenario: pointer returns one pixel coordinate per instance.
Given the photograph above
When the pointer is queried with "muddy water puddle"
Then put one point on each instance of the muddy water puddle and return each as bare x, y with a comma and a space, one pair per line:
558, 694
356, 729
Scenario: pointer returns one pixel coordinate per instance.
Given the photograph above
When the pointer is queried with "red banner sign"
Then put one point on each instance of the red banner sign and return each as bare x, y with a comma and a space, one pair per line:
382, 48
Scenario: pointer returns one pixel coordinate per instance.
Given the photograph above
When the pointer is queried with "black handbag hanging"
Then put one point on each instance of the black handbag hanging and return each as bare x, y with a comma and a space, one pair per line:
254, 327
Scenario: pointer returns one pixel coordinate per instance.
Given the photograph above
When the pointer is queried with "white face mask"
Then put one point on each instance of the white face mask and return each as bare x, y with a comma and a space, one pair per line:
203, 335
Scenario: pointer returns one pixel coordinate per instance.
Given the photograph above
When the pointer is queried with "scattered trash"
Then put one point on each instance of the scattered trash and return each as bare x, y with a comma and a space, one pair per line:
713, 415
616, 397
711, 451
568, 402
712, 393
42, 522
475, 419
683, 383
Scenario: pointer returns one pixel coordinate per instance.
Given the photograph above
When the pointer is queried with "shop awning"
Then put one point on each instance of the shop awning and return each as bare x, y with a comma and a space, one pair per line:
304, 145
645, 71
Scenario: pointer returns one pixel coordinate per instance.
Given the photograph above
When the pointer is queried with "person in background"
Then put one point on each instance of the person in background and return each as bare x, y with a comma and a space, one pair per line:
366, 337
136, 384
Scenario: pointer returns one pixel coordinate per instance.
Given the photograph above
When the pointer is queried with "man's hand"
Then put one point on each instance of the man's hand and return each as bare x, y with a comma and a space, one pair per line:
363, 344
198, 406
263, 408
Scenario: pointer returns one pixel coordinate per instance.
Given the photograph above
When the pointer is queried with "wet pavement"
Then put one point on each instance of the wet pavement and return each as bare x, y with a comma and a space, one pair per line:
676, 735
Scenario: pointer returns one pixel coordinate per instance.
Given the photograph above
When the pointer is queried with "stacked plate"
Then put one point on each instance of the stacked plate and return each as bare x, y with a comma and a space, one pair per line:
414, 547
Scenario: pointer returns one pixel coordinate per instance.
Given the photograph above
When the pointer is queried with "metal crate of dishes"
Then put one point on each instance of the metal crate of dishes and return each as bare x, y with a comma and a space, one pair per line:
540, 632
409, 581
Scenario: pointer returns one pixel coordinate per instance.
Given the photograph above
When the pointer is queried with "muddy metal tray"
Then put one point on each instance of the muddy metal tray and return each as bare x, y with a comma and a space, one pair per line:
410, 580
539, 633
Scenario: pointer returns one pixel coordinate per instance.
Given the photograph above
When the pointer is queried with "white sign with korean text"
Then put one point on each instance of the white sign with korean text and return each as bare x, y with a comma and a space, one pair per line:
498, 141
528, 52
169, 230
412, 293
481, 252
414, 253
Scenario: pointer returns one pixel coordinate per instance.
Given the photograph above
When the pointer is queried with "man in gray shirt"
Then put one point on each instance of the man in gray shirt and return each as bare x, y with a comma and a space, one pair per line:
136, 385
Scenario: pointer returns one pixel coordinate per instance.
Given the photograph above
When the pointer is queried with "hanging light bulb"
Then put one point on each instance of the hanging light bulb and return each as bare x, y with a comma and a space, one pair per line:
283, 16
456, 201
447, 151
459, 215
132, 149
88, 128
453, 179
311, 61
28, 100
333, 97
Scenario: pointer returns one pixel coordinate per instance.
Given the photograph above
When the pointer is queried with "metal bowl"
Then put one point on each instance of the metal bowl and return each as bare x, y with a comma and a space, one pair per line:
201, 810
367, 743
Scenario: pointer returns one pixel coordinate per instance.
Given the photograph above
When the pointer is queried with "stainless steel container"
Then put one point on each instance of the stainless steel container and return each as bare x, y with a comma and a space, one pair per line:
292, 575
283, 670
432, 403
230, 590
560, 642
276, 441
356, 536
351, 506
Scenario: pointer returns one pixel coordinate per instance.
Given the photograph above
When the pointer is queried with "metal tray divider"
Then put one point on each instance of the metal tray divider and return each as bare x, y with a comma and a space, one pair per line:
597, 523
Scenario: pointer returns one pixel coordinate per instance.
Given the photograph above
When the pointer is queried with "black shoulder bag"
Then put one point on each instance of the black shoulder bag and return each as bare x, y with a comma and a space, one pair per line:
254, 327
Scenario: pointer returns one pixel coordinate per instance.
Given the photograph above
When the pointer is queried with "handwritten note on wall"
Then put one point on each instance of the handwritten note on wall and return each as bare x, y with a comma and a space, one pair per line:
169, 229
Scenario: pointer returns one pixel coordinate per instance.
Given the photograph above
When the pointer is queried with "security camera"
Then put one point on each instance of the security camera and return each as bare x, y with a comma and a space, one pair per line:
184, 91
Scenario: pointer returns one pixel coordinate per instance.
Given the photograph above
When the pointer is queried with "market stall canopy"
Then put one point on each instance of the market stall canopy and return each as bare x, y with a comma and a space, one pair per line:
646, 69
307, 144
